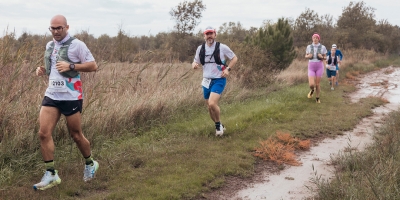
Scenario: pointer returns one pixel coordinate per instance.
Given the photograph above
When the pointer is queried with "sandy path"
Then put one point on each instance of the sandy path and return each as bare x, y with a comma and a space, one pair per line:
292, 182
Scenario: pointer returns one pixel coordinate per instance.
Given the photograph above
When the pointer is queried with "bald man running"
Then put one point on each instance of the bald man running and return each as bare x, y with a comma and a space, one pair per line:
65, 57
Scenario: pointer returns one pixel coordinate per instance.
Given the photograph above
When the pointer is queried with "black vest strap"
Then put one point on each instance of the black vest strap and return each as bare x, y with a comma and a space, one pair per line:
334, 60
216, 54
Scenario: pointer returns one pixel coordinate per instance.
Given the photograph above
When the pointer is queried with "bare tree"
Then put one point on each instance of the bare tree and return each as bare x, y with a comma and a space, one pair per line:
187, 15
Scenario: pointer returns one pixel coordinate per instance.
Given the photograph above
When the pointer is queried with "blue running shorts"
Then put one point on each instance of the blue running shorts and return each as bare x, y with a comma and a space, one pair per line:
217, 86
330, 73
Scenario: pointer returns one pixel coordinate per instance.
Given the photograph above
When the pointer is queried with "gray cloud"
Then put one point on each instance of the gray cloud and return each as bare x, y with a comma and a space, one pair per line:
139, 17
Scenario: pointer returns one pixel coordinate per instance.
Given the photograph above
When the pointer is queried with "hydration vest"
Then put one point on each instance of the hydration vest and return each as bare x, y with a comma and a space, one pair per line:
62, 55
318, 51
215, 54
330, 60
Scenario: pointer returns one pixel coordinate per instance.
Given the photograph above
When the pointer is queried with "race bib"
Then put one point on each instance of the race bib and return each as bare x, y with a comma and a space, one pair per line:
333, 68
58, 85
206, 82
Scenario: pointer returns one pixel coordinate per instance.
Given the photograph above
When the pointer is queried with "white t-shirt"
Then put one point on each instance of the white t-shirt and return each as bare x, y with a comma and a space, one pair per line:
68, 89
315, 58
213, 70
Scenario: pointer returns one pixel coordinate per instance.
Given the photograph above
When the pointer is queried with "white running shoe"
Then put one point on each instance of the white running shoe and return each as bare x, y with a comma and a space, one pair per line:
221, 130
89, 171
48, 181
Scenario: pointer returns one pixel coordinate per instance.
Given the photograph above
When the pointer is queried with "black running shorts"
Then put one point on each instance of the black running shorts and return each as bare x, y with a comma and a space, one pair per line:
66, 108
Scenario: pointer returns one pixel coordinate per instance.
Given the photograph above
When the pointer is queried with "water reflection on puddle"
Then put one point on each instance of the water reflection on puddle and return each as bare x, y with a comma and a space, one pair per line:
384, 84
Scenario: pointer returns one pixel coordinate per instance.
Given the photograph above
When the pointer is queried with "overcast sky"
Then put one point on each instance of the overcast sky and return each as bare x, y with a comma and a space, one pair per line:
149, 17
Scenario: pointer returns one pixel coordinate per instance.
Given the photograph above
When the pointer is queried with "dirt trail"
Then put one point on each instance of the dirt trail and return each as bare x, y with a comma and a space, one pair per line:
293, 182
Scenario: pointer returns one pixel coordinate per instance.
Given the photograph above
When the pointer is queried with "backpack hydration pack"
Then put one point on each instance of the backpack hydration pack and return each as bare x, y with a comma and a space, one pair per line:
318, 51
215, 54
334, 60
62, 56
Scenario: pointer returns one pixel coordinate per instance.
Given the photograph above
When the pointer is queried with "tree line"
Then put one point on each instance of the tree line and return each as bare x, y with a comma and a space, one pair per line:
276, 42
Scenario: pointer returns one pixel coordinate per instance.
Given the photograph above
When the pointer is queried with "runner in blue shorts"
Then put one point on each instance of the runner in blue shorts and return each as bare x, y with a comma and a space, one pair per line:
217, 85
338, 53
331, 67
212, 56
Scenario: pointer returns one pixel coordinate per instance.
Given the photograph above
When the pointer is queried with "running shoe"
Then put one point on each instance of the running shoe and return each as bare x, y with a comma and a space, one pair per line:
332, 88
220, 131
48, 181
309, 95
89, 171
317, 100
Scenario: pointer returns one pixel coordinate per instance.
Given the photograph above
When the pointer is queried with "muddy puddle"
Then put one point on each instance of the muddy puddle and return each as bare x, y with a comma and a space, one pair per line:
293, 182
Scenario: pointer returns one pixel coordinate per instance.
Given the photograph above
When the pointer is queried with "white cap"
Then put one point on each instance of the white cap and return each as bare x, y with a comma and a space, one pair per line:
209, 29
334, 46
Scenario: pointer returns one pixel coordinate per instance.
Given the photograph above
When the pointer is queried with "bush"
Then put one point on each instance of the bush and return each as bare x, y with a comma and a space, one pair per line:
254, 67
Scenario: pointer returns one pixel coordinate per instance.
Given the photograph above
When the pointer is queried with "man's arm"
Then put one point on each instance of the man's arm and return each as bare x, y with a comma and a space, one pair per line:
40, 71
195, 65
196, 61
86, 67
233, 62
339, 53
328, 53
78, 52
63, 66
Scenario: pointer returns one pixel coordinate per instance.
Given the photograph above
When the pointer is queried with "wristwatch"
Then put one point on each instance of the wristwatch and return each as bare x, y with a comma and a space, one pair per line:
228, 68
72, 66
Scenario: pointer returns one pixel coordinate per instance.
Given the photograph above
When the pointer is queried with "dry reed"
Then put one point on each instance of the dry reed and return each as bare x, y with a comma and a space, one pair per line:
281, 148
297, 72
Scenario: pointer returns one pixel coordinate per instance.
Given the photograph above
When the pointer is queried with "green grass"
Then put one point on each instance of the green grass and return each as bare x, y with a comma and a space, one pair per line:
183, 159
371, 174
179, 157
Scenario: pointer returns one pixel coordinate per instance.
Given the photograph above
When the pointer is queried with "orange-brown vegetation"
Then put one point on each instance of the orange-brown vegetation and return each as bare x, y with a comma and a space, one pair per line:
385, 100
352, 75
281, 148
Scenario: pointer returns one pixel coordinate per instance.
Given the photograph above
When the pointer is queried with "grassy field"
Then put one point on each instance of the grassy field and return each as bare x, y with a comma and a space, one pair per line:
371, 174
151, 132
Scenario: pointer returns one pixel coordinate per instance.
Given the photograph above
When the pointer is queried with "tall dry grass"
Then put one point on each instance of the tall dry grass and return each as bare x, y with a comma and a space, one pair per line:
132, 96
297, 72
119, 99
370, 174
123, 97
118, 96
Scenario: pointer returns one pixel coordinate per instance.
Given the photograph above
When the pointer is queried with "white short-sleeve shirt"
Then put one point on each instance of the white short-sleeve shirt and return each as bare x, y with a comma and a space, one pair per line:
212, 69
315, 58
77, 53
